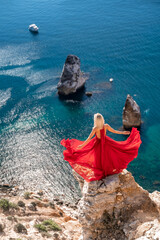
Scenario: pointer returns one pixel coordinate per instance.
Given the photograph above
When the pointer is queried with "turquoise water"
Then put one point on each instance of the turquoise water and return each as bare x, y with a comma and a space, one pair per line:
114, 39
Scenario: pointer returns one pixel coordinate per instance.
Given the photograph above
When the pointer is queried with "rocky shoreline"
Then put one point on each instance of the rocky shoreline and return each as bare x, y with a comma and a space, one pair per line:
114, 208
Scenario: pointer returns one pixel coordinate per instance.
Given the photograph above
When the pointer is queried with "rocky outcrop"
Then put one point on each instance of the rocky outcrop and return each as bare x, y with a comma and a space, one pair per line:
72, 78
131, 113
118, 208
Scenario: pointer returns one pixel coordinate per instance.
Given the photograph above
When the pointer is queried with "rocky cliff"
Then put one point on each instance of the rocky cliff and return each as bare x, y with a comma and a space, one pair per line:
117, 208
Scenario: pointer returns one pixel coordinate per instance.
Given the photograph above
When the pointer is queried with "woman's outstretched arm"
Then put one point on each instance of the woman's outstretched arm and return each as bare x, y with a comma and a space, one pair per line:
109, 128
88, 139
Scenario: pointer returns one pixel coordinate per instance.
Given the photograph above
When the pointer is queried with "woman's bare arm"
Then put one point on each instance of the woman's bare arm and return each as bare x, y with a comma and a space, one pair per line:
88, 139
109, 128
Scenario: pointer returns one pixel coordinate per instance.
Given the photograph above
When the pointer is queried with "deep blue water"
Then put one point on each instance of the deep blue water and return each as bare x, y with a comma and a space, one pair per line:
114, 39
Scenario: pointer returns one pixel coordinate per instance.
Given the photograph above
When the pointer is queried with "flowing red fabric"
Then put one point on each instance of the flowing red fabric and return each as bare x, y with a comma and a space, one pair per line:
101, 156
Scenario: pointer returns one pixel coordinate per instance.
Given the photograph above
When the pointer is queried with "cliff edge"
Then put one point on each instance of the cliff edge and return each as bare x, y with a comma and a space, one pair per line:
117, 208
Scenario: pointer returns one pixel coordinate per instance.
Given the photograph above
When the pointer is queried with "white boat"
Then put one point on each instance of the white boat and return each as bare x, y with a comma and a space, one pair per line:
33, 28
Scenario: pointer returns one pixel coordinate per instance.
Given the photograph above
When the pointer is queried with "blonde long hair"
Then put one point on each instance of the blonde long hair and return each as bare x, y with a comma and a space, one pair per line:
98, 120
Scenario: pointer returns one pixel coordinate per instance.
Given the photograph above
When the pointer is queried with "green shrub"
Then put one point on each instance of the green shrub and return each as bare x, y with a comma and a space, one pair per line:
51, 225
27, 195
4, 204
48, 225
41, 227
10, 218
13, 205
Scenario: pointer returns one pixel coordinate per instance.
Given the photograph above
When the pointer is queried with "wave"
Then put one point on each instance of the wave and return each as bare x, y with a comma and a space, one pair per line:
13, 55
4, 96
31, 76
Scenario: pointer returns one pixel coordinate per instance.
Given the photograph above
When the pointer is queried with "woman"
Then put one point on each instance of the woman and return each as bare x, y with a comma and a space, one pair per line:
101, 156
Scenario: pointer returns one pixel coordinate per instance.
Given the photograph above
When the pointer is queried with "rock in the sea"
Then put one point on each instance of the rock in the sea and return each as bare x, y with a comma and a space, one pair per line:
88, 94
116, 207
72, 78
131, 113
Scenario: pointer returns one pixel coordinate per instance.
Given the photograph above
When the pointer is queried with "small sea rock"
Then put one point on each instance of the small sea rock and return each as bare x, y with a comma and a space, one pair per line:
89, 94
142, 177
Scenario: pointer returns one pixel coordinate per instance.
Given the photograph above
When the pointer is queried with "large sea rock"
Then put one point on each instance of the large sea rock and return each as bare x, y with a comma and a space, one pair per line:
117, 208
72, 78
131, 113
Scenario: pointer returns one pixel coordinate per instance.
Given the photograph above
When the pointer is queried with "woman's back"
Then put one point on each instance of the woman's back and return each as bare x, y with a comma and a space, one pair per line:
99, 131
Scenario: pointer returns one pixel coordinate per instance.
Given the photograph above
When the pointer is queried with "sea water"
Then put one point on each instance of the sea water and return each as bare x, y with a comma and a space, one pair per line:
113, 39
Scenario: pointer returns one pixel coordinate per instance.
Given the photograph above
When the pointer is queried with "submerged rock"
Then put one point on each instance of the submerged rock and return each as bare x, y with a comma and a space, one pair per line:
131, 113
103, 85
116, 207
72, 78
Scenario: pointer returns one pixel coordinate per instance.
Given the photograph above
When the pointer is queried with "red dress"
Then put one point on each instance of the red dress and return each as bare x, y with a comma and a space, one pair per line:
101, 156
